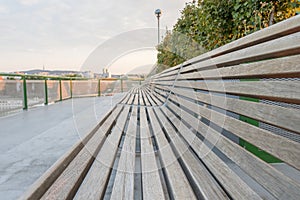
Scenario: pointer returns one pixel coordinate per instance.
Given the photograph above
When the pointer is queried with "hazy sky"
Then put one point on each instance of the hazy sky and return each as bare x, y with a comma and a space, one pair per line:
61, 34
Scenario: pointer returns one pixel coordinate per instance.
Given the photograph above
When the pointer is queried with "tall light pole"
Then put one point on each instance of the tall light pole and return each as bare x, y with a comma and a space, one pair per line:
158, 14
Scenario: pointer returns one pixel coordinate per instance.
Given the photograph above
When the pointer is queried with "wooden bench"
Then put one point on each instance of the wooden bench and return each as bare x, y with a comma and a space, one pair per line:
206, 129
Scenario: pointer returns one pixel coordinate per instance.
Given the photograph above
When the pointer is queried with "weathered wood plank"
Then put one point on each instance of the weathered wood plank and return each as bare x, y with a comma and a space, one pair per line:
131, 99
147, 103
94, 184
178, 189
281, 147
152, 186
153, 101
141, 101
278, 30
287, 118
204, 184
126, 98
275, 68
67, 183
286, 91
237, 188
136, 99
274, 181
147, 97
284, 46
123, 187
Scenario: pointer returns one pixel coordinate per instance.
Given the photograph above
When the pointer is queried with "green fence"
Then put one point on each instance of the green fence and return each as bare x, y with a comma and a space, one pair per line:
24, 91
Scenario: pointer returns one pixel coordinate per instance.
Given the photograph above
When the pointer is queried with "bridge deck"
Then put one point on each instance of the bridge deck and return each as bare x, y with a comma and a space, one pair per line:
31, 141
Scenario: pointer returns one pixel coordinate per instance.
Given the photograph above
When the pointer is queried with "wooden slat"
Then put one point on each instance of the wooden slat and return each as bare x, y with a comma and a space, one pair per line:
284, 46
204, 183
281, 147
286, 91
145, 98
94, 184
142, 103
274, 181
237, 188
136, 99
131, 98
152, 186
278, 30
123, 187
178, 183
275, 68
153, 101
159, 101
126, 98
287, 118
67, 183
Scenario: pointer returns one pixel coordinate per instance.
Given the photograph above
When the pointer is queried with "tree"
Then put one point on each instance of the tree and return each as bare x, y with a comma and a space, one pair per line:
209, 24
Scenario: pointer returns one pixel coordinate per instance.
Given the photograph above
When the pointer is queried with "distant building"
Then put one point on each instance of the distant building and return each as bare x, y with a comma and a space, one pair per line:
106, 73
116, 76
134, 76
88, 74
43, 73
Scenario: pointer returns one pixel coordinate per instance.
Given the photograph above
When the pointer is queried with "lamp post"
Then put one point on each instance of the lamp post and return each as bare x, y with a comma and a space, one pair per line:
158, 14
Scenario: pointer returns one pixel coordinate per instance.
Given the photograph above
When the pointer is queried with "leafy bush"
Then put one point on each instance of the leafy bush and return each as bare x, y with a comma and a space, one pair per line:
209, 24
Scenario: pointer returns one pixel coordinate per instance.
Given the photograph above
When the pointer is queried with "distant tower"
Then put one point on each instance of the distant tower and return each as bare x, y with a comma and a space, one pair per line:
106, 73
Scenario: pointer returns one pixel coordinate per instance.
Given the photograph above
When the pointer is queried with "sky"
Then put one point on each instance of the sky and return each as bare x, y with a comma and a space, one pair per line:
67, 34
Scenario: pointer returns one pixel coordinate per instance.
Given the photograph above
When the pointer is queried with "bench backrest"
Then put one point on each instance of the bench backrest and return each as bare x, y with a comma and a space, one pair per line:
244, 101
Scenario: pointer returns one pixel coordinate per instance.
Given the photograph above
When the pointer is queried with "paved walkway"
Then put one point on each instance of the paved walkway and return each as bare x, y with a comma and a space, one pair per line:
31, 141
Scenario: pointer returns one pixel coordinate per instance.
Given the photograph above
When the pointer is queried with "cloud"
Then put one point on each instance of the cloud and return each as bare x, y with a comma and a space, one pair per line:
29, 2
62, 25
3, 9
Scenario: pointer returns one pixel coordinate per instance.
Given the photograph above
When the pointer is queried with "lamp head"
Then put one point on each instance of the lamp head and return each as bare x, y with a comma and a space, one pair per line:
158, 13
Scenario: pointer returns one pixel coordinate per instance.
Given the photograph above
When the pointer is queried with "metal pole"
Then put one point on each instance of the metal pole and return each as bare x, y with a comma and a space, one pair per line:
158, 14
60, 90
71, 88
158, 32
46, 92
25, 102
99, 87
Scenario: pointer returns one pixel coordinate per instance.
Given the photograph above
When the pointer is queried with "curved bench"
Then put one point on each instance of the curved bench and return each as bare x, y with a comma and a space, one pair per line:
211, 128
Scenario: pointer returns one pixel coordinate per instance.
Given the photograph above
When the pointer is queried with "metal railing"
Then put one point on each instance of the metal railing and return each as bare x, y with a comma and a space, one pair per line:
18, 91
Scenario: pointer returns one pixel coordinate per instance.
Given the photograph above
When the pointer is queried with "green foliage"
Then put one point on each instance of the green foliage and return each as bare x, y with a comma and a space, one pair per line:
209, 24
10, 78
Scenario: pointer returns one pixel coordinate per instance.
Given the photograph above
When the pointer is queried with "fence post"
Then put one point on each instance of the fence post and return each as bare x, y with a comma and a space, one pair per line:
25, 94
71, 88
46, 92
122, 90
60, 90
99, 87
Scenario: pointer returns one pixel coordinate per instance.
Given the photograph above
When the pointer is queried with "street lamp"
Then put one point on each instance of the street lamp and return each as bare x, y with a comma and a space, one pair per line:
158, 14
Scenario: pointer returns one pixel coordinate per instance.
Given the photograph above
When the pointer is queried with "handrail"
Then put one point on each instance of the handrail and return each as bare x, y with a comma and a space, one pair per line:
25, 77
65, 77
42, 77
